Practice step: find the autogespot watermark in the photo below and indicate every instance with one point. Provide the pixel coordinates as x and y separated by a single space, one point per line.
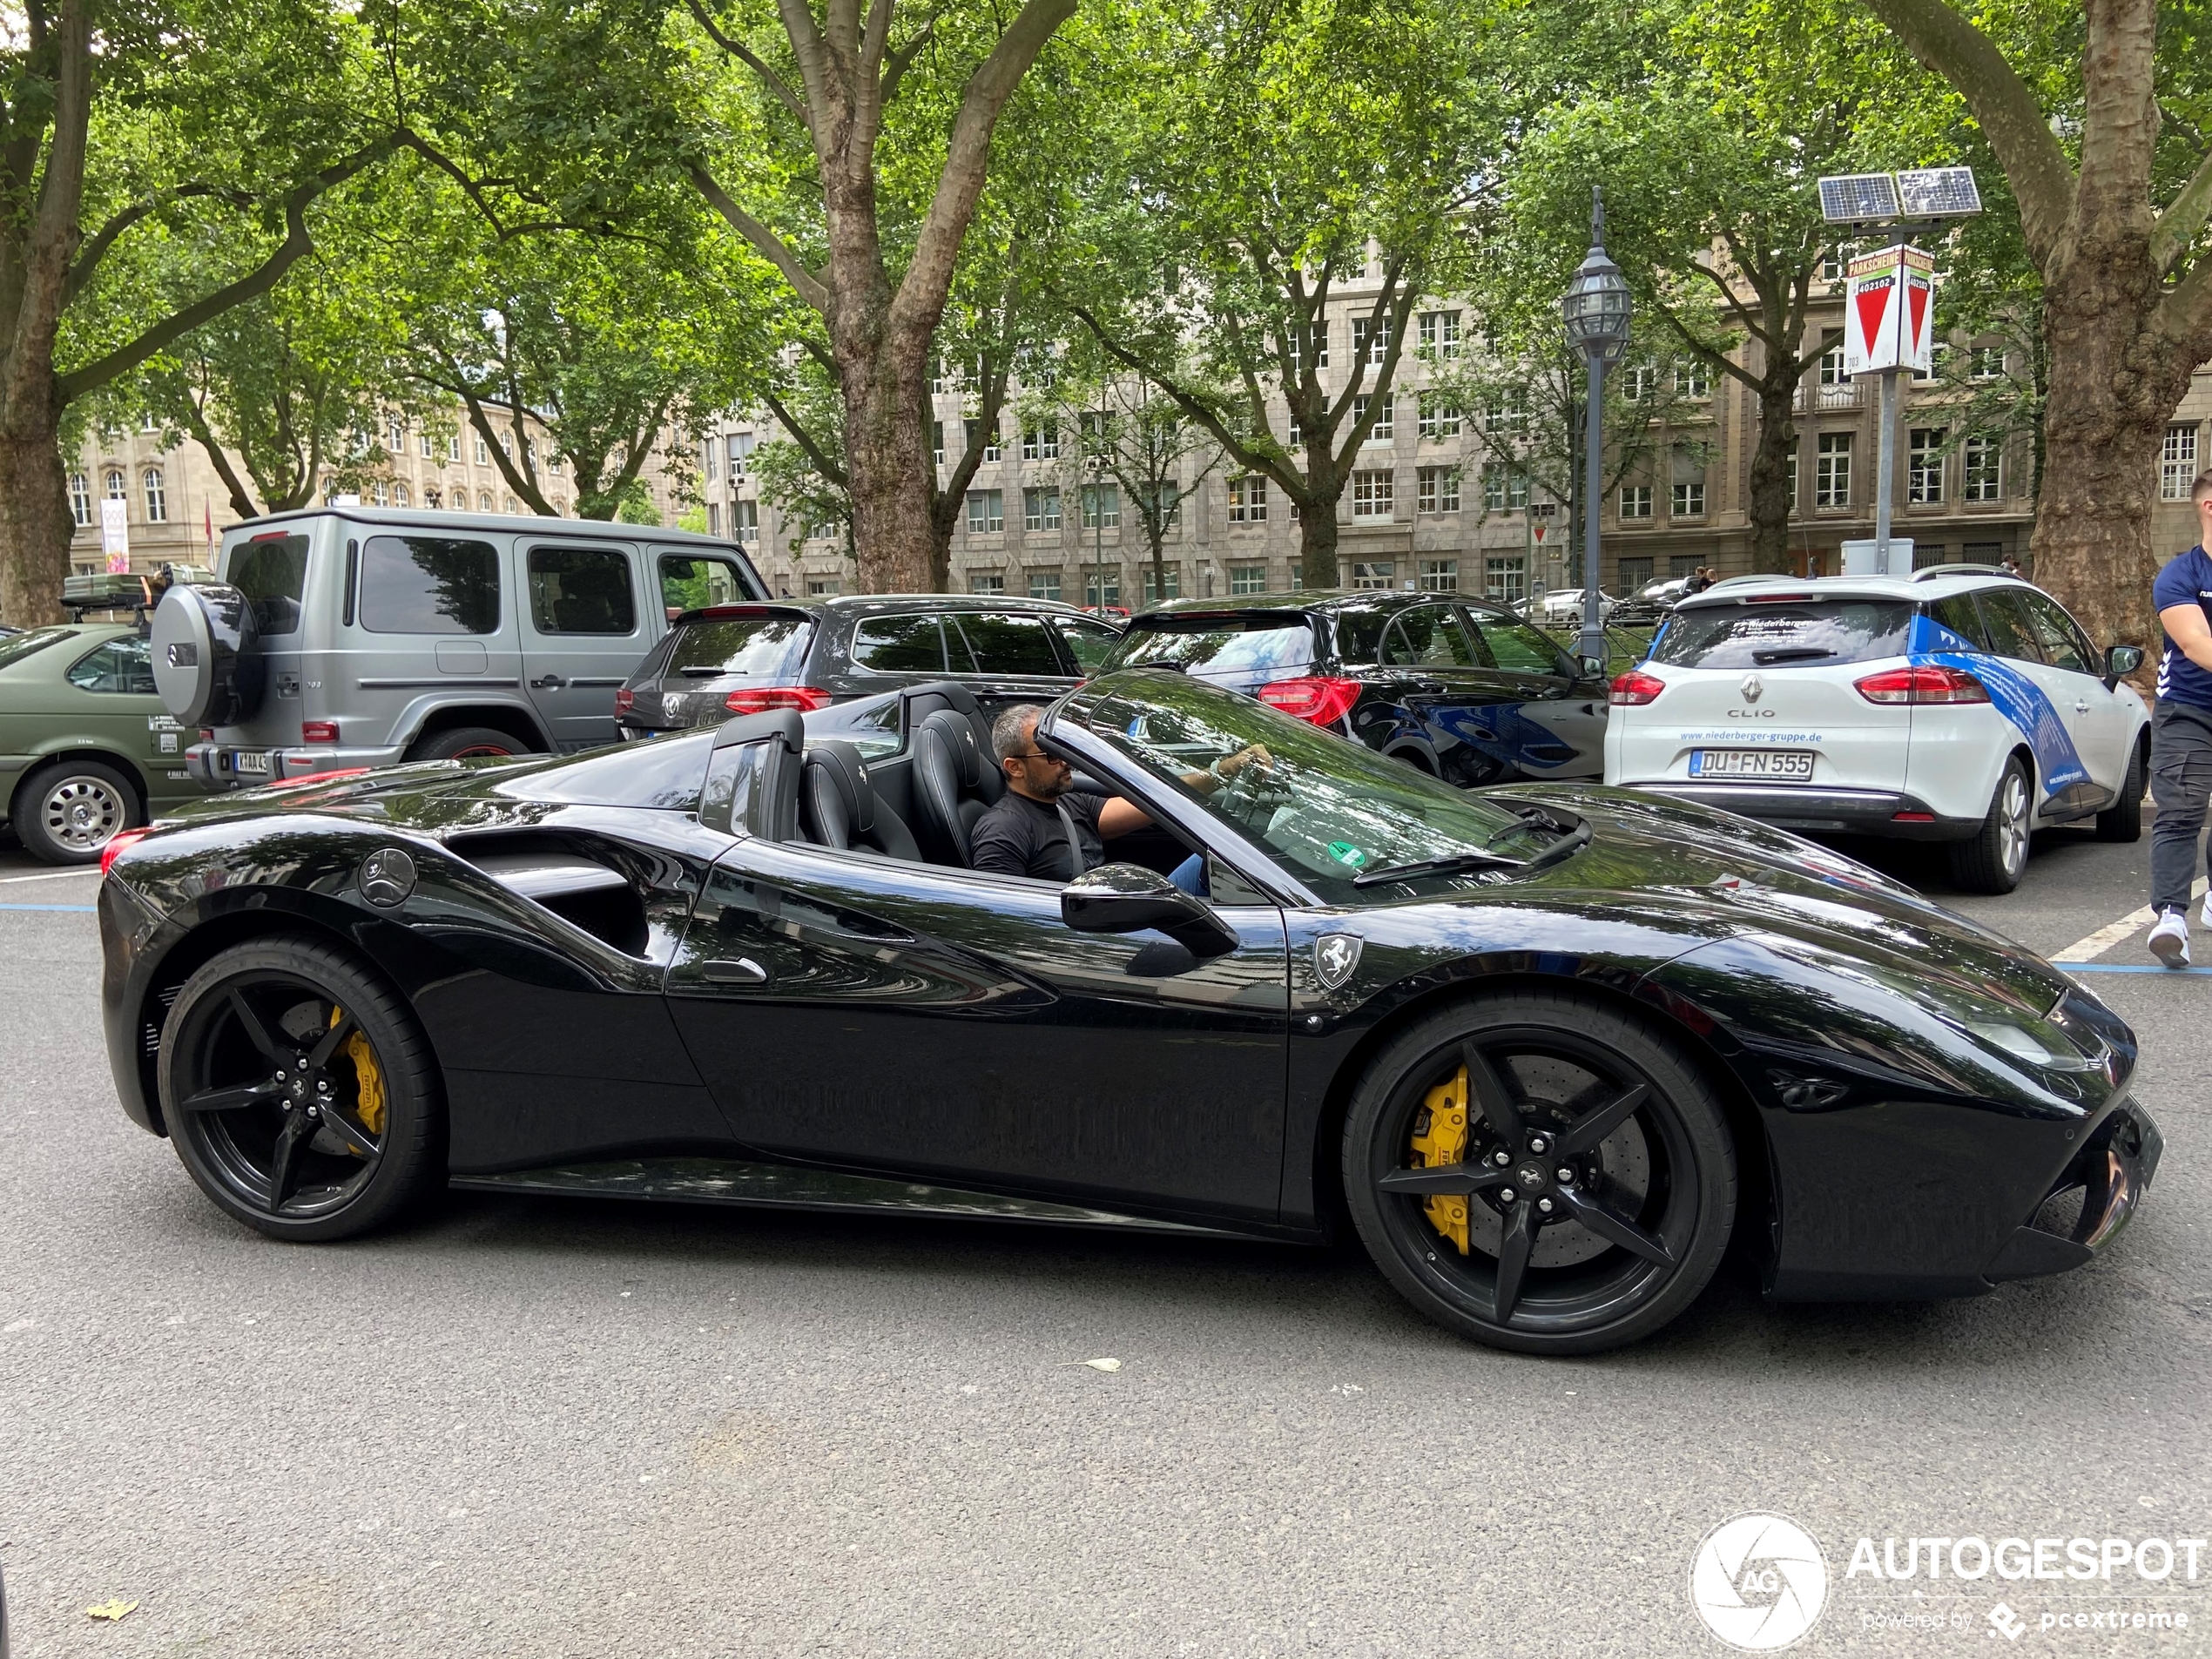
1760 1582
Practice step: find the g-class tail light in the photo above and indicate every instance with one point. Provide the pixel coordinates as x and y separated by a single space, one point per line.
318 731
764 700
1633 690
1319 699
1926 684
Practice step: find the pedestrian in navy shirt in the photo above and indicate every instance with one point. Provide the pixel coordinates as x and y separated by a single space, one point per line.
2181 740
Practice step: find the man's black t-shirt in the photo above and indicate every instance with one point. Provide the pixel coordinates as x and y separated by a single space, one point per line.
1023 837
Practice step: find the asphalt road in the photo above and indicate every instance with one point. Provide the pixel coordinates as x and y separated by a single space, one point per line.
542 1428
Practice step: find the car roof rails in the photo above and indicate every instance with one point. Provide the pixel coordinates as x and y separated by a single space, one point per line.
1936 570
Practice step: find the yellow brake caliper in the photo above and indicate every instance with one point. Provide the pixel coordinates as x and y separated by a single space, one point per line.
1440 1136
368 1079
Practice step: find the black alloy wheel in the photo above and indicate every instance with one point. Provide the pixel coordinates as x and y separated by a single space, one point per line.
299 1091
1540 1171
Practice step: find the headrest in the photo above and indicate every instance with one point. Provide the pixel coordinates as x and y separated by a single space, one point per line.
841 766
957 734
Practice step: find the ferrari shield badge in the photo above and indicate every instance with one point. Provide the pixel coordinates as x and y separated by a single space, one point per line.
388 876
1334 957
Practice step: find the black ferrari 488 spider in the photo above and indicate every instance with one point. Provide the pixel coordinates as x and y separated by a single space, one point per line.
1545 1048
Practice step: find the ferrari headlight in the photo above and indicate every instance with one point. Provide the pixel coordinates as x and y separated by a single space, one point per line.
2037 1041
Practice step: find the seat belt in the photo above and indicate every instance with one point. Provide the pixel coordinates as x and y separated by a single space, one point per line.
1074 842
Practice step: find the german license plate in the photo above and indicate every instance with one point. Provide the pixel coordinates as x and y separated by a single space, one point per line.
250 761
1783 765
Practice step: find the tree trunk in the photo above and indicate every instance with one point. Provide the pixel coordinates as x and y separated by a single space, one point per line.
2104 424
1770 502
34 522
1316 545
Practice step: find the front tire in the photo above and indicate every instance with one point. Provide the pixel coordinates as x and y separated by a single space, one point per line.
1993 859
67 811
299 1091
1616 1153
2123 819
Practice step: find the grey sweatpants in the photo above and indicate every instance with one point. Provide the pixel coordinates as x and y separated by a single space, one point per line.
2181 783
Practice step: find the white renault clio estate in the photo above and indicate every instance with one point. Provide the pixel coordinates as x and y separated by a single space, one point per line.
1959 707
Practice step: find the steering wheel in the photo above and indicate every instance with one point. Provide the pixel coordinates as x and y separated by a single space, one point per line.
1251 788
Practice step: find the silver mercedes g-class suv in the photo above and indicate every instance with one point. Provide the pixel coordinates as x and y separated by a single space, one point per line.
344 637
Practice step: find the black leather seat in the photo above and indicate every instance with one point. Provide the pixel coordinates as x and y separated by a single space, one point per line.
955 782
837 806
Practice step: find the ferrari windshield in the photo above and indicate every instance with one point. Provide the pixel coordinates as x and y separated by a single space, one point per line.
1332 812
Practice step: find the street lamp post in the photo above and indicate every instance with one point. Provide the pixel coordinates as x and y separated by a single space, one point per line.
1596 311
1097 531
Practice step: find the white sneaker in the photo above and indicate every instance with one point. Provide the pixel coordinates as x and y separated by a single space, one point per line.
2206 912
2169 938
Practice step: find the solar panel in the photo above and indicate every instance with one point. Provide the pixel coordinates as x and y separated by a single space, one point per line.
1854 197
1939 192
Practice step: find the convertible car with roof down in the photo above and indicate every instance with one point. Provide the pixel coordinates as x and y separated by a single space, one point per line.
1544 1048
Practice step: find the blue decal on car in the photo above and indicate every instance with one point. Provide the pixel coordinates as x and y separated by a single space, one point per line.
2020 700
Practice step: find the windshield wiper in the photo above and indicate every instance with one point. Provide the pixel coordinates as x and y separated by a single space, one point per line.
1789 654
1450 863
1573 841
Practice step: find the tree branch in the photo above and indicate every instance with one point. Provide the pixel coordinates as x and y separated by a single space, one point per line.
2183 218
752 61
96 247
817 457
771 246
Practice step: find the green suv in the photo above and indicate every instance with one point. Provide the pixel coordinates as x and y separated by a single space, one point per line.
86 748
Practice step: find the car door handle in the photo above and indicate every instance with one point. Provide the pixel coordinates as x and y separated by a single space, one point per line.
740 970
1428 688
2081 708
548 683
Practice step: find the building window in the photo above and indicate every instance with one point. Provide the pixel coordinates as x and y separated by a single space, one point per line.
428 446
1163 585
1373 494
1690 379
1690 499
1040 442
80 499
118 487
1101 508
745 521
740 447
1439 419
971 431
1248 578
821 587
1505 578
1985 364
484 504
1923 467
400 496
1382 431
1983 469
1102 587
1309 342
452 447
1371 336
1440 576
483 451
986 512
1505 489
1635 500
1439 489
986 582
1508 412
1638 380
1041 509
2176 465
1044 584
1440 335
1789 473
713 519
1634 574
1832 366
1247 500
376 497
396 438
156 496
1683 565
1374 573
1831 470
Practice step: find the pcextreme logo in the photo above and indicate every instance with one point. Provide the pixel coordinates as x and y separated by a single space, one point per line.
1759 1583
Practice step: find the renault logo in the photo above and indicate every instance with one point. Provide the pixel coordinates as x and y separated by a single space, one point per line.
1751 687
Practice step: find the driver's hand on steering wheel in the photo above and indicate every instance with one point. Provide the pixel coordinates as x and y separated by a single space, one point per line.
1252 754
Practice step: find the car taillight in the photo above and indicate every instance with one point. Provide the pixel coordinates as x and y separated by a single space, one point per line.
318 731
333 774
625 700
1316 698
116 844
1632 691
1923 684
762 700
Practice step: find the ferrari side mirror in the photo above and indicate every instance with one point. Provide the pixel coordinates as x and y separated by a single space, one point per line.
1129 899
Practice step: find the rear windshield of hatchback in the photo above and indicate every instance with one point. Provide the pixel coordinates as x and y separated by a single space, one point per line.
756 647
1229 651
1798 633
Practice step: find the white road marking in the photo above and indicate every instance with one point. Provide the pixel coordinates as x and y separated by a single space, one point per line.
51 875
2087 950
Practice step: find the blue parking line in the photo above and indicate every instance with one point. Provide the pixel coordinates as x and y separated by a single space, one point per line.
81 909
2125 968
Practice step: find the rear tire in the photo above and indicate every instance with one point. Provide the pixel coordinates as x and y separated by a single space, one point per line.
67 811
2123 819
467 743
1992 860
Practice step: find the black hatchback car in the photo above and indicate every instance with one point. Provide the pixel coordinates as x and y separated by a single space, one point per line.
753 659
1465 690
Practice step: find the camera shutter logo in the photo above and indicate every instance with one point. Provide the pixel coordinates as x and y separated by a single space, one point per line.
1759 1583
